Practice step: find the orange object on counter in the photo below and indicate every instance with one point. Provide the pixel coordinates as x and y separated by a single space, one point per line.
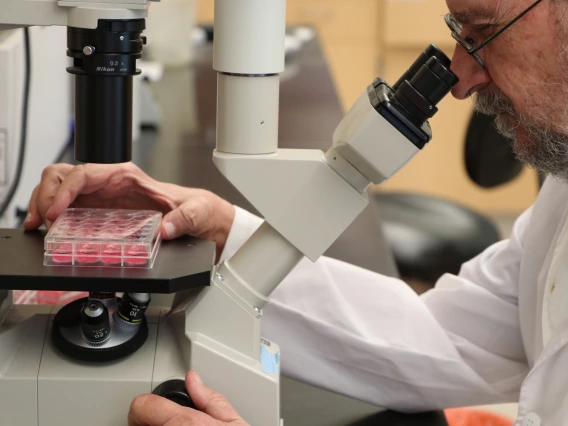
472 417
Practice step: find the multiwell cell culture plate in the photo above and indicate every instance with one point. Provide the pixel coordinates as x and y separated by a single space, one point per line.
104 238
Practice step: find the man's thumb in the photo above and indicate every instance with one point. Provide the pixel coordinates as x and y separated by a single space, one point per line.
209 401
188 218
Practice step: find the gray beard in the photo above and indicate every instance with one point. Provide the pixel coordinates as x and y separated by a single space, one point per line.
544 149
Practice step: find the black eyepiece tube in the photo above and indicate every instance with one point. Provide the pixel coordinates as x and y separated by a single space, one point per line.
429 52
103 119
104 63
428 84
434 81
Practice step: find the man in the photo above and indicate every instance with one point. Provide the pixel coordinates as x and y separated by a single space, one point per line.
498 332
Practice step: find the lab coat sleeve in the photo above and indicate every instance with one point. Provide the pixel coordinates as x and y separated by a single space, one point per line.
371 337
242 229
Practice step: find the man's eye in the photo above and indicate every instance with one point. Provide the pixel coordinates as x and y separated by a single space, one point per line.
470 41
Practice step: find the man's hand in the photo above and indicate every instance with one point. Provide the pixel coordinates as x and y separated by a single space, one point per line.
187 211
152 410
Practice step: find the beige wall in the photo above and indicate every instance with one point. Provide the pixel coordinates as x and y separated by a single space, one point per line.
363 39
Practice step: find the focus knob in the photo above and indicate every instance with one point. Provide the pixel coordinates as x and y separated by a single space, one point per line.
175 391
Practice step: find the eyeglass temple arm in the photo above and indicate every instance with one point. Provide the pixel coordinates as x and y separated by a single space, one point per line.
490 39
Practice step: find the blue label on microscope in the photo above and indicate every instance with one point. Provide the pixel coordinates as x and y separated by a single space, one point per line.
270 362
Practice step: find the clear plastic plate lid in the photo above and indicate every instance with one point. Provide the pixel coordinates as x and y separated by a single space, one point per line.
104 237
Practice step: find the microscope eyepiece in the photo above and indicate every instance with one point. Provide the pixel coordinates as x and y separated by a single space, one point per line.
412 100
104 63
434 81
433 51
430 80
429 52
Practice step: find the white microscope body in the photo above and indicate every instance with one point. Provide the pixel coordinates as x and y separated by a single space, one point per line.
307 197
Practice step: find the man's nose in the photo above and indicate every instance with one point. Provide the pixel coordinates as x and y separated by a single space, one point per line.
472 77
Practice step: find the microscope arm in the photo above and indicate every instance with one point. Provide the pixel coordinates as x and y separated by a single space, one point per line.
307 198
23 13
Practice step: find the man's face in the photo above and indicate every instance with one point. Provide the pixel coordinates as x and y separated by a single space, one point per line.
526 81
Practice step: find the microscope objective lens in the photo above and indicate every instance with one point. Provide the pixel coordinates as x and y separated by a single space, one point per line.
95 322
132 307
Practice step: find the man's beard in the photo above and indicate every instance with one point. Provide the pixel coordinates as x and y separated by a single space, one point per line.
535 142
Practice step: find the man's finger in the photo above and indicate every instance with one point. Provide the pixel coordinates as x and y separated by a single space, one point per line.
209 401
33 219
67 191
47 190
44 192
152 410
83 179
188 218
50 181
86 179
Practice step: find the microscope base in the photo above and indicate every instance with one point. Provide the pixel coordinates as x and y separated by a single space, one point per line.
41 387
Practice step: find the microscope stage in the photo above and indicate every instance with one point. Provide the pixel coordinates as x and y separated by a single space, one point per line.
181 264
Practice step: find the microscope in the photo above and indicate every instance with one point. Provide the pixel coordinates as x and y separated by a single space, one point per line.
85 362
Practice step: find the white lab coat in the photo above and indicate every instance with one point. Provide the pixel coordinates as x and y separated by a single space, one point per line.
497 332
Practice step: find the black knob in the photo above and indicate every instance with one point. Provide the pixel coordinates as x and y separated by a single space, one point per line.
175 391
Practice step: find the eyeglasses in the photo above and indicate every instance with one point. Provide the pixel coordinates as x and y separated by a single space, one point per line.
467 43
